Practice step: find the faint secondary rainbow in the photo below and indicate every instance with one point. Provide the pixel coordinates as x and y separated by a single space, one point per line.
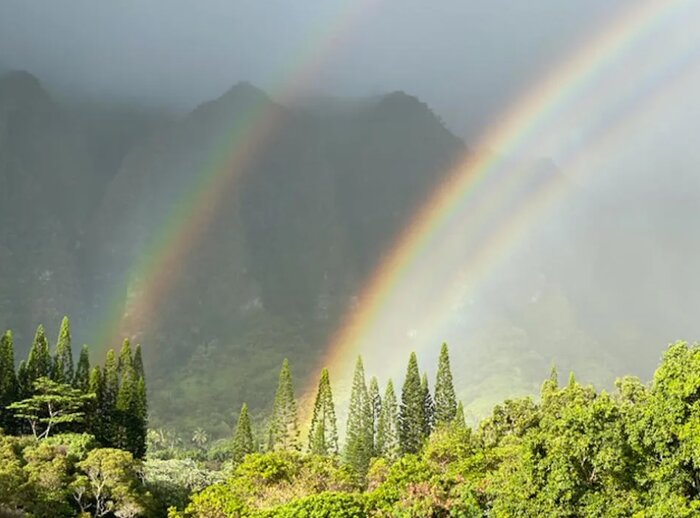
505 139
165 255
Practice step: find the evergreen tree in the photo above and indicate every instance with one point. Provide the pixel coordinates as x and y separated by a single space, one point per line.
9 392
24 386
323 434
139 429
110 381
428 407
81 380
138 363
375 400
126 358
39 360
62 371
459 420
445 399
387 442
125 420
243 438
96 423
359 431
412 410
284 425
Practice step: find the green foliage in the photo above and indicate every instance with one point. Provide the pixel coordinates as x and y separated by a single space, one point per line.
52 405
39 360
82 371
326 505
412 422
375 400
8 382
243 443
359 432
445 399
387 443
323 434
62 371
428 407
171 482
284 425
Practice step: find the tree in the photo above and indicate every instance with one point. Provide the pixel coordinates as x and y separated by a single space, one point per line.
139 430
96 423
109 483
52 404
375 400
243 438
428 407
39 359
110 391
200 437
412 410
284 425
445 399
323 434
8 382
82 372
138 363
359 431
459 420
62 371
387 441
126 358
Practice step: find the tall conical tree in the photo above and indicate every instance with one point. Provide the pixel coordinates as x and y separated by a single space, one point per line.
39 360
138 363
284 425
445 399
375 400
126 358
9 392
139 430
243 438
323 434
412 410
359 430
81 380
110 381
459 420
24 385
62 371
387 442
428 406
96 423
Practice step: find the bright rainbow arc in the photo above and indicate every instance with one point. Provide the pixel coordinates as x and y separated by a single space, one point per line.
166 255
519 124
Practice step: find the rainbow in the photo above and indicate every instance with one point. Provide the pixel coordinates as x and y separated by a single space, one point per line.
150 278
453 201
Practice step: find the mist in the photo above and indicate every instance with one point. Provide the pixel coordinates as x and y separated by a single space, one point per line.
599 281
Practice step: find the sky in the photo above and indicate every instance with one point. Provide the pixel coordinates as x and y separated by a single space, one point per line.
625 138
464 58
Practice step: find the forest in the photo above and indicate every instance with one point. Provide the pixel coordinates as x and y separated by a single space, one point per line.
75 442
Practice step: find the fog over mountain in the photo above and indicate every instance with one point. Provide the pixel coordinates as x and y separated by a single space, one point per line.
111 113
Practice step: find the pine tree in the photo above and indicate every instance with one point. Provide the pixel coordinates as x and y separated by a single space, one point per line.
459 420
243 438
110 381
445 399
387 442
284 424
359 431
125 420
62 371
139 410
126 358
8 382
428 407
39 360
375 400
412 411
96 423
81 380
24 385
323 434
138 363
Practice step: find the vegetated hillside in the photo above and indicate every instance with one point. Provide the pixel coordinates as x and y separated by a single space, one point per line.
303 221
